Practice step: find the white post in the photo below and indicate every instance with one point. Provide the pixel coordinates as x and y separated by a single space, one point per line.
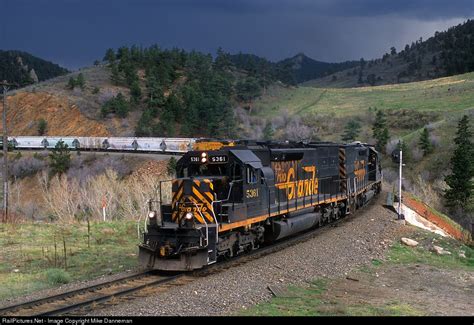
104 205
400 185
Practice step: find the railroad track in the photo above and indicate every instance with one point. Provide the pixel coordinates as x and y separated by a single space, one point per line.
78 299
282 244
89 296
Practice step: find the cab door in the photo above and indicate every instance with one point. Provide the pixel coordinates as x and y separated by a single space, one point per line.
252 190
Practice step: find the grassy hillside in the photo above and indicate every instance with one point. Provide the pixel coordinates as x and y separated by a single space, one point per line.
442 95
321 114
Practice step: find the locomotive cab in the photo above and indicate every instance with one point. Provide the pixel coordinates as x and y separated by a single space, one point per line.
212 187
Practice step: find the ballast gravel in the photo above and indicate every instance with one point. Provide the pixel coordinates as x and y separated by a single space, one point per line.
331 253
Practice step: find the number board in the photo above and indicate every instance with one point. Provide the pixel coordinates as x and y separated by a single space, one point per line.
222 159
195 159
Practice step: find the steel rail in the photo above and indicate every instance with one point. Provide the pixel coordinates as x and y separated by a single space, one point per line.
76 292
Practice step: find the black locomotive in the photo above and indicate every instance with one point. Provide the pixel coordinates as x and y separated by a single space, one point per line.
232 197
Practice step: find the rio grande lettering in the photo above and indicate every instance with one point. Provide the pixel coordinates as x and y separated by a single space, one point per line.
285 176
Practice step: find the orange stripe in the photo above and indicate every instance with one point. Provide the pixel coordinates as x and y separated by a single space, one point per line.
199 195
178 195
225 227
204 201
208 216
209 195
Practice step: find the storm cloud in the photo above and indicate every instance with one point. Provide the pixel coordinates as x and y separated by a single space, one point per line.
74 33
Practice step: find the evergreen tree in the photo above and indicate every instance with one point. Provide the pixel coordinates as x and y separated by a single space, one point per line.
406 152
171 167
223 61
135 92
268 131
60 158
71 83
115 74
460 181
425 142
117 105
145 124
351 131
155 92
109 56
248 89
121 106
80 81
380 130
42 126
383 140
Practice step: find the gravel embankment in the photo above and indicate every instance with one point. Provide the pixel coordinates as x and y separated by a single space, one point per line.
332 253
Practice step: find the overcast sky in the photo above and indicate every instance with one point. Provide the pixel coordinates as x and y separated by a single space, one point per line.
74 33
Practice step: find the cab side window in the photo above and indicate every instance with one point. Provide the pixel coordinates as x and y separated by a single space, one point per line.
251 176
237 172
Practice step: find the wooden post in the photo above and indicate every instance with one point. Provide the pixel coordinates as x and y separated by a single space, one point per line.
88 233
65 254
55 253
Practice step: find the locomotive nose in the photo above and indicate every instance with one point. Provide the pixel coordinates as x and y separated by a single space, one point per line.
192 201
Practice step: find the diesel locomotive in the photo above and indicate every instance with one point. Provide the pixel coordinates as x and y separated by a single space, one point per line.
231 197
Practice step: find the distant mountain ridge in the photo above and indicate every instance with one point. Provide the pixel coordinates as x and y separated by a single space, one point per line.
24 69
446 53
294 70
305 68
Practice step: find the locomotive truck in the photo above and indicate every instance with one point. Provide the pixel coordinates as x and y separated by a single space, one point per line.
230 197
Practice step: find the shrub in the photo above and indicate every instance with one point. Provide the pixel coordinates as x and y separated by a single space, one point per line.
26 166
57 276
171 168
117 105
42 126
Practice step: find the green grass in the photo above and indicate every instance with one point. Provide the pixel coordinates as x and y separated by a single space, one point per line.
309 300
28 262
401 254
57 276
440 95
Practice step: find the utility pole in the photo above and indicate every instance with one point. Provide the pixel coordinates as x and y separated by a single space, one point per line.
400 215
5 152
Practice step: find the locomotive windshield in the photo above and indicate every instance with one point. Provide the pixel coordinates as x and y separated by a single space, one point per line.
197 170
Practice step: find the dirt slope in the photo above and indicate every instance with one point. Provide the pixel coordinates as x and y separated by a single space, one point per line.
64 118
70 112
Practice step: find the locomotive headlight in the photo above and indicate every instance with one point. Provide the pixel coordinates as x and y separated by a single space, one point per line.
188 216
203 159
151 214
204 155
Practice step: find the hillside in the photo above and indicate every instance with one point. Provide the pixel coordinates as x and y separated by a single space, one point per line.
23 68
446 53
67 112
322 113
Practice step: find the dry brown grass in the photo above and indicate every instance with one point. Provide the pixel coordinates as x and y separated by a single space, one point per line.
67 200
